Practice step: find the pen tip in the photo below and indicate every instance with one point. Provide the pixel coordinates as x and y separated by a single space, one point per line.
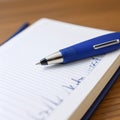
38 63
42 62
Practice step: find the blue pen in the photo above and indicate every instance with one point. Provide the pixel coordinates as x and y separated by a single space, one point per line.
96 46
23 27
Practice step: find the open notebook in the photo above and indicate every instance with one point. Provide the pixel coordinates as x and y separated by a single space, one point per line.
57 92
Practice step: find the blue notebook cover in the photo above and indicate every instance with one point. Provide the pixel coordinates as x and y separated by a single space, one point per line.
106 89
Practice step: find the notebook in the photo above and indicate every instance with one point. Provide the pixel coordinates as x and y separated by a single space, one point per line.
57 92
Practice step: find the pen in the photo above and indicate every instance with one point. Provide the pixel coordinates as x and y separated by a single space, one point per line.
96 46
23 27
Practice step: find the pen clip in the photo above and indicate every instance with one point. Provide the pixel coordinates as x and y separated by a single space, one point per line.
106 44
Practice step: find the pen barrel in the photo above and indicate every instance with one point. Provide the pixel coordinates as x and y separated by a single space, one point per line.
86 49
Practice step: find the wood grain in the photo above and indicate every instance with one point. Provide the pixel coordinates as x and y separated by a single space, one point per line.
103 14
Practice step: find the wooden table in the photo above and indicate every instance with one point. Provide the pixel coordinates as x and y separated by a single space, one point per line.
103 14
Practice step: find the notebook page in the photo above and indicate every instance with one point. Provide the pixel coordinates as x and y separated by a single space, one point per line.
31 92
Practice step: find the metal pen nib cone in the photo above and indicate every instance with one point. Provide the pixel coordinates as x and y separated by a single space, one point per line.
51 59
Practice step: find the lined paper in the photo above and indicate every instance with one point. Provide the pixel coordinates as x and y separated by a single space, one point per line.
30 92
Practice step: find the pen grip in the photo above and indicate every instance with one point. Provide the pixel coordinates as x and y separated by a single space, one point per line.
85 49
